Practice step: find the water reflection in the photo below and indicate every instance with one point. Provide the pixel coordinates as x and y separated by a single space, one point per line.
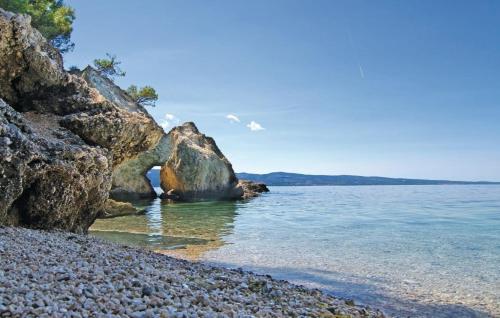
185 230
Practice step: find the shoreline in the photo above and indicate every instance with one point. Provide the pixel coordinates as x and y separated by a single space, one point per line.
60 274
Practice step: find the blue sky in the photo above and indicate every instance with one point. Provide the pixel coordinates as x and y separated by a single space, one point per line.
389 88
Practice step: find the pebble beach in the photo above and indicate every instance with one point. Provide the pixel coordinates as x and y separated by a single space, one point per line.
58 274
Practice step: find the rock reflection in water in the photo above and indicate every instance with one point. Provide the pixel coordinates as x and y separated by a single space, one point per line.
185 230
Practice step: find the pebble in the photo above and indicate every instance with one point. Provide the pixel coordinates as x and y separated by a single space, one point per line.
61 274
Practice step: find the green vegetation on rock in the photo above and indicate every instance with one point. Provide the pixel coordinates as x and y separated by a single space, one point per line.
108 67
145 96
52 18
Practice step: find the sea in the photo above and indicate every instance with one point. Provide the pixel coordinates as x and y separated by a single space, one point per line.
411 251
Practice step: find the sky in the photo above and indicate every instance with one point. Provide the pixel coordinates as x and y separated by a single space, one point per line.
375 88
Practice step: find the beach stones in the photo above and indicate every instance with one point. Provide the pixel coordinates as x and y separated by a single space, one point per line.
139 283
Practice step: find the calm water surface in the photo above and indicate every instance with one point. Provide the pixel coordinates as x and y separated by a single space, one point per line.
429 251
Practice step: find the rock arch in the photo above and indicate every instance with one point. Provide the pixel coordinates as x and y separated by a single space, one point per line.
193 168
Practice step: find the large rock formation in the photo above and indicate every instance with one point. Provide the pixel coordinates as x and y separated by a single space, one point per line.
196 168
67 140
74 127
141 134
49 178
206 175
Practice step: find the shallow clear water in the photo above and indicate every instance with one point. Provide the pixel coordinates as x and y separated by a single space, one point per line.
410 250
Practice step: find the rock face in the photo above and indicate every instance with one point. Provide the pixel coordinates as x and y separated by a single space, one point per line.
196 168
49 178
137 145
126 128
32 75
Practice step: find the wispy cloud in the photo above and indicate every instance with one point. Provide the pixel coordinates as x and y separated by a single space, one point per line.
169 121
233 118
254 126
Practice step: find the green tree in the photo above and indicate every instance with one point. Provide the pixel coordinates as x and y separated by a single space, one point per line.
145 96
52 18
108 67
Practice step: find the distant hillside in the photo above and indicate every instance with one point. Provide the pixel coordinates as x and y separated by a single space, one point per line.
296 179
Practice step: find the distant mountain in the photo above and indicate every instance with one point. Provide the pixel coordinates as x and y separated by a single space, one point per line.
296 179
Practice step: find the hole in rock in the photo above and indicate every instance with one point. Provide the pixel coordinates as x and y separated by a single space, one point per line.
154 178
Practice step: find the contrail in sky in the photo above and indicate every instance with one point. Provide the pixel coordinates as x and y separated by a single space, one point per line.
351 42
361 72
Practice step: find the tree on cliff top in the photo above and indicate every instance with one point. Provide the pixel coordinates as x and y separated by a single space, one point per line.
145 96
52 18
108 67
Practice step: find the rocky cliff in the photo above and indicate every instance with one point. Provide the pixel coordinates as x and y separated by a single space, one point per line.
69 140
50 177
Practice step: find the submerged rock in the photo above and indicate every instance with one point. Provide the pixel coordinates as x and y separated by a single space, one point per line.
114 208
196 168
252 189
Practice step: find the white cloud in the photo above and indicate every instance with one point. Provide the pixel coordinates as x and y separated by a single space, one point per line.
169 121
254 126
233 118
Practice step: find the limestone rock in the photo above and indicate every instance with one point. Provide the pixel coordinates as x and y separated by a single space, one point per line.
127 134
111 91
32 78
129 177
67 138
32 75
137 141
196 168
114 208
252 189
49 178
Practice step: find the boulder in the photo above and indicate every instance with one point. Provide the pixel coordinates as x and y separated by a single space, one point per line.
252 189
49 177
196 168
112 209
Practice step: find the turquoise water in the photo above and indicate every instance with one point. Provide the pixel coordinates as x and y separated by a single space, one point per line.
410 250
